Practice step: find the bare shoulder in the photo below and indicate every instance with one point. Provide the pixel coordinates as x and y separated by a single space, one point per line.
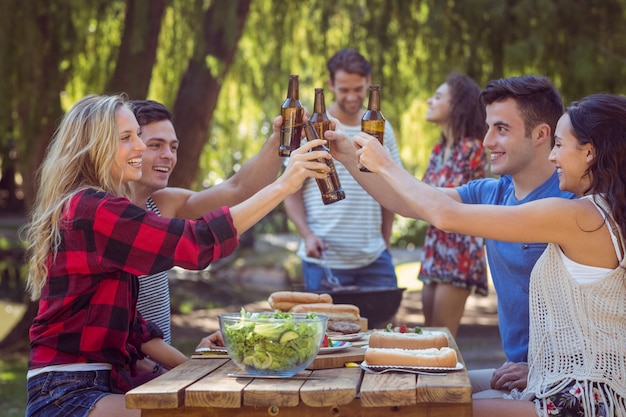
170 200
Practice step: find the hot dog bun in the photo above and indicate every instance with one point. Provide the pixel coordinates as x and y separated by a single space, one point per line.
427 339
285 300
432 357
333 311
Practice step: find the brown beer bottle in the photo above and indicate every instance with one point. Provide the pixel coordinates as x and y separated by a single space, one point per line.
330 187
293 114
373 121
319 119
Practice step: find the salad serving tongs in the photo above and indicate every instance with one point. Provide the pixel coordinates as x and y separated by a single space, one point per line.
405 370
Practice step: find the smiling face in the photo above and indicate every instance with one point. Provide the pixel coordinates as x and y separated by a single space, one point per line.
439 105
511 150
350 90
130 149
160 156
570 158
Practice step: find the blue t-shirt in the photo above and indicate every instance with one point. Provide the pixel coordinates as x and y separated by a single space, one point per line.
511 263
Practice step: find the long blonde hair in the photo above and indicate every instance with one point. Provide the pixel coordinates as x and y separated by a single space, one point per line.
81 154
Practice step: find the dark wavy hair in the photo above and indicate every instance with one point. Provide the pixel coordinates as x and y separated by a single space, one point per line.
149 111
538 101
600 119
467 114
349 60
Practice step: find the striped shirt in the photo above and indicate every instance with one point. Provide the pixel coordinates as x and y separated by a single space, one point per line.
351 227
154 295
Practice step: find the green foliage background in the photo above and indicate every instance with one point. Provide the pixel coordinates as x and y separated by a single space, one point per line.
413 45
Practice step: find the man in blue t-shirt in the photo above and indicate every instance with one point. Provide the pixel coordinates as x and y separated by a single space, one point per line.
521 118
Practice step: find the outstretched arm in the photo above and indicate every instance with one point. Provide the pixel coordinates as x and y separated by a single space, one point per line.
256 173
302 165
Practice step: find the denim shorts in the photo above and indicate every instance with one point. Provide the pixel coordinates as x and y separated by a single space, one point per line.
68 394
380 273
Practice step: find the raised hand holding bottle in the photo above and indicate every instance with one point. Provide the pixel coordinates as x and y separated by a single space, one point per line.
373 121
330 187
293 115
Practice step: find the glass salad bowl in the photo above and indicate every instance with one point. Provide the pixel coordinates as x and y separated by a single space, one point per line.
272 343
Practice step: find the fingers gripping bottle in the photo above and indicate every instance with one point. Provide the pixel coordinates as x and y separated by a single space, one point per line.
330 187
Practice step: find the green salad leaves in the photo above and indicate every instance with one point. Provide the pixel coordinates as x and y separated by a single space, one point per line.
272 341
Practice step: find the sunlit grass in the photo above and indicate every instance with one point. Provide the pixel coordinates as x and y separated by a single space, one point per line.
407 276
13 385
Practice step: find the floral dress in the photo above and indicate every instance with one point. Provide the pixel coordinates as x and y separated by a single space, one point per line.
452 258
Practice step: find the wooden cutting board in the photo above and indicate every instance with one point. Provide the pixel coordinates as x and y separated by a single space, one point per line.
338 359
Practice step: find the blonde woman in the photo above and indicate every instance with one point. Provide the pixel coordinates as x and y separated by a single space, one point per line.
88 243
576 359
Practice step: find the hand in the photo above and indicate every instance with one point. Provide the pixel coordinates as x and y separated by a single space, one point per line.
275 136
305 163
214 340
314 246
510 375
371 153
341 147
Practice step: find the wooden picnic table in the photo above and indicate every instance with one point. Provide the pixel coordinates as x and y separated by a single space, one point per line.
202 387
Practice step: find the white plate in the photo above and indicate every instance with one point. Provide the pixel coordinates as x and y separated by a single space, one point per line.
347 337
458 367
201 351
336 348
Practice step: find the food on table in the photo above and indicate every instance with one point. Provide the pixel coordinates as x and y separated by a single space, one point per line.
272 343
431 357
337 312
285 300
407 340
343 327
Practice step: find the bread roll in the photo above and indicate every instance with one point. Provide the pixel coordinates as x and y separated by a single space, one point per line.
432 357
333 311
427 339
285 300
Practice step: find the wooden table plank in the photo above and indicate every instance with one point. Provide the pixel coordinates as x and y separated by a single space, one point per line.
201 387
391 389
217 389
168 390
339 387
273 392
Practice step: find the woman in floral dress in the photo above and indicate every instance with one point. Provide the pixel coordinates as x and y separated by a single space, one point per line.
454 265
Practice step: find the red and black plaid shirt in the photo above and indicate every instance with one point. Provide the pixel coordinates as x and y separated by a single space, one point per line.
87 311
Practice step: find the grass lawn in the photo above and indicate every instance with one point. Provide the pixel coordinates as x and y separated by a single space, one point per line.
13 385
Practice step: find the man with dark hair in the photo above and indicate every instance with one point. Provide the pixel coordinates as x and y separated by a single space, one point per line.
152 192
351 236
521 115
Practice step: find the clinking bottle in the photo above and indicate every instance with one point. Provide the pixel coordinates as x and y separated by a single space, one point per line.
293 115
373 121
330 187
319 119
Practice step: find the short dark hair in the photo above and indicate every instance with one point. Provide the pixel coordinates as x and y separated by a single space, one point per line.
537 99
467 114
149 111
350 61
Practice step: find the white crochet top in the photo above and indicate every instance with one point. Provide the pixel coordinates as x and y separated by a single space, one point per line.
577 332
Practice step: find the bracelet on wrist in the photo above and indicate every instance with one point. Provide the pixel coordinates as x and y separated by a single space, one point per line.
157 368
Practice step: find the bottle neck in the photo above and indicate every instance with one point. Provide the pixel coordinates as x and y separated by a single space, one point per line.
319 106
294 89
374 101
